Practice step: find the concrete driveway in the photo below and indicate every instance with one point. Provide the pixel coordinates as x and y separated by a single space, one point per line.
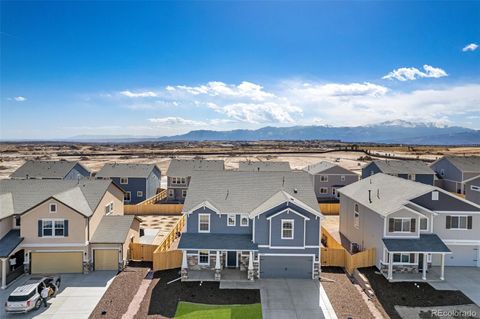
79 294
290 299
466 279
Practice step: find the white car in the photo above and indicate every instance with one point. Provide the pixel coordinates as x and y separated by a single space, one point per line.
27 297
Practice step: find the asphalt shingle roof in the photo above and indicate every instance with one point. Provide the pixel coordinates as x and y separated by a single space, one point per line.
19 195
249 166
126 170
184 168
112 229
242 192
44 169
466 164
216 241
318 167
403 167
426 243
8 242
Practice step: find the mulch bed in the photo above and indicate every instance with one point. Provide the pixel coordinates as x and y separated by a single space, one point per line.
410 294
119 294
161 299
343 295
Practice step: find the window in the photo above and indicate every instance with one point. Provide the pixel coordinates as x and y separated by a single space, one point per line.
334 190
287 228
52 208
459 222
342 178
434 195
442 172
179 180
123 180
323 178
127 196
244 220
17 221
423 224
53 228
139 194
59 227
403 258
184 193
109 209
356 216
203 223
475 188
402 225
170 193
231 220
203 258
47 228
183 180
323 190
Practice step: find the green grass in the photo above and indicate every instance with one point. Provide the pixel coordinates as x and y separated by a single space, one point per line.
188 310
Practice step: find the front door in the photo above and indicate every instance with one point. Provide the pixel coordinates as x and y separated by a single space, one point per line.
231 259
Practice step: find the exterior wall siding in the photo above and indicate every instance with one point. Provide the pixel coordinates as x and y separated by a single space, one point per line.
439 228
134 185
177 189
405 213
218 223
370 170
77 172
451 173
428 179
6 225
470 194
153 182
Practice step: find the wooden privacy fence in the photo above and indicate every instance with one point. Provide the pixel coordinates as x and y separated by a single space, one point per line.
167 260
153 209
162 194
328 240
143 252
330 208
339 257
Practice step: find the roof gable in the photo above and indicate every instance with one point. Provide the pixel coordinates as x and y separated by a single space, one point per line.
45 169
403 167
110 170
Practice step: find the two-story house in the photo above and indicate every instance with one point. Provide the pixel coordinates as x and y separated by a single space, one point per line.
39 169
413 170
412 226
64 226
472 189
327 178
180 171
263 166
454 171
139 181
259 224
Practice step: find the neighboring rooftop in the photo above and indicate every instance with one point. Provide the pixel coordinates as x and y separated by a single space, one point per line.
403 167
243 192
112 229
425 243
126 170
19 195
466 164
257 166
9 242
186 167
39 169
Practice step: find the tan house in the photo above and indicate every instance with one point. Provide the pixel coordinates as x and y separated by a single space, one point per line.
62 226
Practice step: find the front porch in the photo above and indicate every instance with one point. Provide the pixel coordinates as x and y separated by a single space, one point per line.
209 275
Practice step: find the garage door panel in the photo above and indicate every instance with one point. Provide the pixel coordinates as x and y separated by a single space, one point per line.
106 259
56 262
286 267
462 256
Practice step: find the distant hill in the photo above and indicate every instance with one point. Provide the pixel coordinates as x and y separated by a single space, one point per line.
398 132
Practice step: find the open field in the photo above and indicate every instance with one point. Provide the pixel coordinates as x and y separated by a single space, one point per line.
299 154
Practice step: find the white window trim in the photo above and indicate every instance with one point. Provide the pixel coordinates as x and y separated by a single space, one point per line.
435 195
171 193
356 220
403 231
293 228
128 201
342 178
123 180
184 193
400 262
50 208
208 257
199 218
53 227
234 220
458 228
248 220
110 208
324 188
420 224
139 194
324 178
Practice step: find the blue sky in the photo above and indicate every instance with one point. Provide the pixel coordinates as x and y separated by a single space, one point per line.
162 68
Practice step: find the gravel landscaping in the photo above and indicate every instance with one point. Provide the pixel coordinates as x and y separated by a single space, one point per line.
410 294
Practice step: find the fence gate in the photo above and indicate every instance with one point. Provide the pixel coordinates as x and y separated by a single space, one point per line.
143 252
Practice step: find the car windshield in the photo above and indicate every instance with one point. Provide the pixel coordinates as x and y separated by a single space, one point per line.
21 297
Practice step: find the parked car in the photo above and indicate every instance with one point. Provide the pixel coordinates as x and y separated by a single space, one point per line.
27 297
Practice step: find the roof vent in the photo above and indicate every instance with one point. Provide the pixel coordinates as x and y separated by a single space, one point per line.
295 190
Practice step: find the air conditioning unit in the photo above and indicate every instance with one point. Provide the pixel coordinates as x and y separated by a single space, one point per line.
354 248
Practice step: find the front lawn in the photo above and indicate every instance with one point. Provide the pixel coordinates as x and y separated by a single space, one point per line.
187 310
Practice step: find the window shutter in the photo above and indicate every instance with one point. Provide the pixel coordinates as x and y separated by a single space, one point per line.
65 227
449 222
413 224
40 233
469 222
391 221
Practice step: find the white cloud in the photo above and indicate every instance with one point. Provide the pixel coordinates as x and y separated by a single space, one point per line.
173 120
138 94
339 89
470 47
409 74
17 98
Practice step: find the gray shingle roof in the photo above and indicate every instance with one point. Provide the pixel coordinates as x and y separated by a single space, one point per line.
403 167
44 169
112 229
466 164
184 168
216 241
323 166
17 196
126 170
393 192
243 192
426 243
249 166
8 242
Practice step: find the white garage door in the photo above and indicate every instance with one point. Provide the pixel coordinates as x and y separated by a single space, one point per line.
462 256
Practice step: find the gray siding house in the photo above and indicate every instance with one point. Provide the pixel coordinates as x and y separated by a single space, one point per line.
139 181
412 226
180 171
413 170
249 166
327 178
37 169
454 171
252 224
472 189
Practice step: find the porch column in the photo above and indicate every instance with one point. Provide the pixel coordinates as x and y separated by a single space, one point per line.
217 266
250 266
4 273
425 265
442 268
390 266
184 271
